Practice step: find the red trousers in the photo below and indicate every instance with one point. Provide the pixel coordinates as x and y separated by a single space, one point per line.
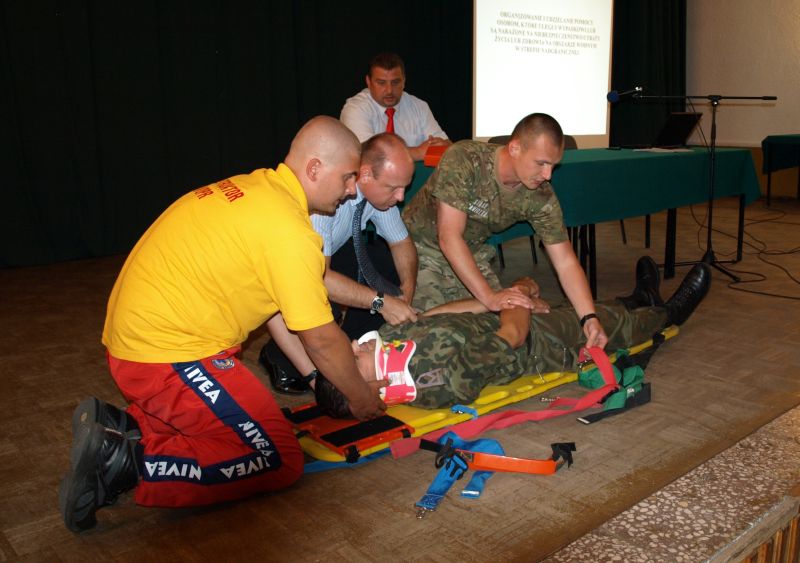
211 431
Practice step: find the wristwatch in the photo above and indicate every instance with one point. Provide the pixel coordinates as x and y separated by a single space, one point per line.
377 304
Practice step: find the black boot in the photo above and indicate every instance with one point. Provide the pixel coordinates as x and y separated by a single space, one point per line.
281 379
646 293
92 410
689 294
103 465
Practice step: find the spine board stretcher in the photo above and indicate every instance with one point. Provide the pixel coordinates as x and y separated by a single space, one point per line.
346 440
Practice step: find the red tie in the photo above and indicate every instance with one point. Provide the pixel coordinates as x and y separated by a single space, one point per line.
390 121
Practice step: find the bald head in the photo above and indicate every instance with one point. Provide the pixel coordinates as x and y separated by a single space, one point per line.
385 147
324 157
323 137
386 170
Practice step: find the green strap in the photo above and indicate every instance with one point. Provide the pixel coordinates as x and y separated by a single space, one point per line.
630 380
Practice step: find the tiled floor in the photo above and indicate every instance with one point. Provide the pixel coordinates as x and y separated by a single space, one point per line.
706 511
701 515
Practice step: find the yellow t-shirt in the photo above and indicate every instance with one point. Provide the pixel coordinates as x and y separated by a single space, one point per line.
215 265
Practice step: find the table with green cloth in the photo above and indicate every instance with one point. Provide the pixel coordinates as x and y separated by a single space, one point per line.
597 185
780 152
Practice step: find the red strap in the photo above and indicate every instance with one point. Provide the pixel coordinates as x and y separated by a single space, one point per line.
496 421
600 359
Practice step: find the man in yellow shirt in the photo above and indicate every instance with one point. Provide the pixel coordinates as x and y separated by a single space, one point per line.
218 263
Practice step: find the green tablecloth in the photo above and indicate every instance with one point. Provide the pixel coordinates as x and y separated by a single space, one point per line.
597 185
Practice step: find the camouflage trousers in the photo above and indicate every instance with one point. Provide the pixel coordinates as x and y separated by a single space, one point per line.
557 337
459 354
438 284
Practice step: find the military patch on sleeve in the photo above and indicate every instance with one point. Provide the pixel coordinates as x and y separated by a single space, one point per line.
433 378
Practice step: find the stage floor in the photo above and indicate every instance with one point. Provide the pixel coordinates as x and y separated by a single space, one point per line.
732 370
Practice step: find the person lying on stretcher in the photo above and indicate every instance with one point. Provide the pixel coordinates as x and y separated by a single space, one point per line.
447 357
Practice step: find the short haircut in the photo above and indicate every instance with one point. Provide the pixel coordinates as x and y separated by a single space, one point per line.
536 124
330 400
375 150
386 61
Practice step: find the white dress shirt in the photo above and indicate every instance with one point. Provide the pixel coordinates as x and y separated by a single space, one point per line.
337 229
413 120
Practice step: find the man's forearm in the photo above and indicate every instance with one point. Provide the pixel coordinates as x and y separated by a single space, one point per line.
418 152
464 266
572 277
346 291
404 256
289 344
576 287
329 349
515 324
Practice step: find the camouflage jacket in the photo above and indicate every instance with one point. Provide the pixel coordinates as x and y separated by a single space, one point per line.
465 179
457 356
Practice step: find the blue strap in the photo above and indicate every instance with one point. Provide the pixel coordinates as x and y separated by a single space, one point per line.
450 472
455 467
319 465
475 486
463 409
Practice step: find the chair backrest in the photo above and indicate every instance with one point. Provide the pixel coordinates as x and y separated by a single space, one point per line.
569 141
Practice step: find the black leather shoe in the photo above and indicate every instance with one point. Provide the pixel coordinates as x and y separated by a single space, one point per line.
646 293
103 465
689 294
281 381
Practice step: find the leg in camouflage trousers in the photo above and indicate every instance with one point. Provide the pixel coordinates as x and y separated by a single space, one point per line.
438 284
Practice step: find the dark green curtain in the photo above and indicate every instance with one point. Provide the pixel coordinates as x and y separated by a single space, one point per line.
649 50
111 110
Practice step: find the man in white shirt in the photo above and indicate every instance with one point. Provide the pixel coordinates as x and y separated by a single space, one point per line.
384 106
385 171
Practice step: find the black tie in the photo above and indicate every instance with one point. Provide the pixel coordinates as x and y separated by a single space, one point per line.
366 271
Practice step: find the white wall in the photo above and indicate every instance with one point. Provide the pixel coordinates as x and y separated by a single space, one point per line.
745 48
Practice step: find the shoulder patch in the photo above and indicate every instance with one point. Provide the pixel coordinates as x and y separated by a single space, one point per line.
226 363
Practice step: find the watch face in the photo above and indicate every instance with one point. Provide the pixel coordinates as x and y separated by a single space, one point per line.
377 303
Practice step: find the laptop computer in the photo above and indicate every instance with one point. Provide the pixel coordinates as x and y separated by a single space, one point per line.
675 131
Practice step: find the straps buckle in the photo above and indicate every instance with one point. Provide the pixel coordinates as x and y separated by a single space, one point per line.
422 511
562 453
456 461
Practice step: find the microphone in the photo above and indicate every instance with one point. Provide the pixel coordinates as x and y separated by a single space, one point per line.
613 96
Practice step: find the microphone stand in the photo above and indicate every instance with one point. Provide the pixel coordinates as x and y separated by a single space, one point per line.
709 257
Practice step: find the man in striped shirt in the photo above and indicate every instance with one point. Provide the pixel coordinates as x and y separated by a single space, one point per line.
386 169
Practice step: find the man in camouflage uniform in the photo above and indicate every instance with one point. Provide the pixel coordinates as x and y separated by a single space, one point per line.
479 189
458 353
